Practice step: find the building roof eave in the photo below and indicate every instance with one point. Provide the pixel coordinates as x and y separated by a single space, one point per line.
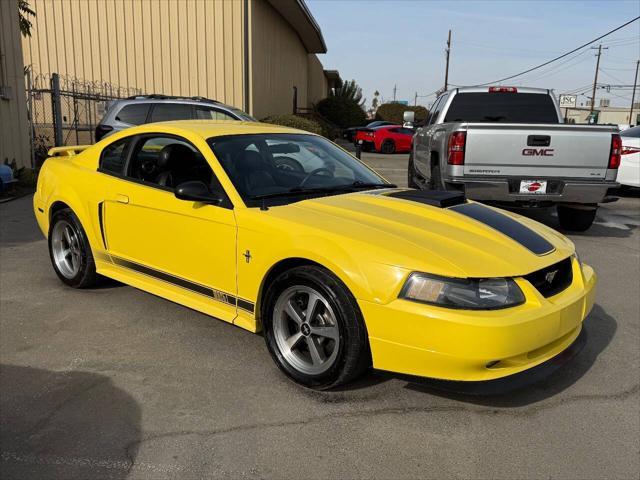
297 14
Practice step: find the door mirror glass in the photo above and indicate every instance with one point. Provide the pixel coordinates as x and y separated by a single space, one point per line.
198 192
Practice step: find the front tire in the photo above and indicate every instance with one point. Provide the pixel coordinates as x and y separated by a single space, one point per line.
576 219
313 328
70 251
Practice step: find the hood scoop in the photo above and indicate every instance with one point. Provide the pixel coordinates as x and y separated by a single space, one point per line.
435 198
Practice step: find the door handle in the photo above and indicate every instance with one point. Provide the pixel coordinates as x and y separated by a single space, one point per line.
122 198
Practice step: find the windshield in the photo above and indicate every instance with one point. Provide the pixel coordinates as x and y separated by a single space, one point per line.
285 168
502 107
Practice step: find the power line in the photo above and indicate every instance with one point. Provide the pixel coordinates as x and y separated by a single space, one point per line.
561 56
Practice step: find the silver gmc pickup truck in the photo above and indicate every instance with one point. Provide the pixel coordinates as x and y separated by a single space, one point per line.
509 146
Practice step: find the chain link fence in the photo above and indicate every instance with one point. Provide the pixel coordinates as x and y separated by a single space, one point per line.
65 111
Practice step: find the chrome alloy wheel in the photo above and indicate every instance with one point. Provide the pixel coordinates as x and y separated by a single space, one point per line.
65 246
306 330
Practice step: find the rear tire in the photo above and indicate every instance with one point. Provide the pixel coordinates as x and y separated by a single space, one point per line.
412 175
576 219
319 347
435 182
388 147
70 251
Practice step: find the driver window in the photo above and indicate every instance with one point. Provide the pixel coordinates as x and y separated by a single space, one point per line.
166 162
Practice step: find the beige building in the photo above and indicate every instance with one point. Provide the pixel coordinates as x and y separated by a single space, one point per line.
605 114
247 53
258 55
14 132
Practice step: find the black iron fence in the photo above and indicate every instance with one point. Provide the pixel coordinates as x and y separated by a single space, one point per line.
65 111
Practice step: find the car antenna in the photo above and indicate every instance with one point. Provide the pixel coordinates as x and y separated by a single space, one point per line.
263 206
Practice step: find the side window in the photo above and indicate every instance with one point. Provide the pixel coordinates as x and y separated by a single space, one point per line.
394 130
437 109
114 156
135 114
163 112
167 162
204 113
406 131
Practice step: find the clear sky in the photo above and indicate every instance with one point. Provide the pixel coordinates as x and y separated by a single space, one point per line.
382 43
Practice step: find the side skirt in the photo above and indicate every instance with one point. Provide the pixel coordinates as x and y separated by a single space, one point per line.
200 298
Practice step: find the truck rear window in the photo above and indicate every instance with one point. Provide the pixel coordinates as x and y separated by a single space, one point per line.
502 107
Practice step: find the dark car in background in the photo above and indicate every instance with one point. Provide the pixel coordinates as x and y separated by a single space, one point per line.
125 113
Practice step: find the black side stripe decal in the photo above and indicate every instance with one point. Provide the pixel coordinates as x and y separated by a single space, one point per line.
506 225
101 221
217 295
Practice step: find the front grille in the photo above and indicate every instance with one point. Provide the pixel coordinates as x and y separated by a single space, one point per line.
553 279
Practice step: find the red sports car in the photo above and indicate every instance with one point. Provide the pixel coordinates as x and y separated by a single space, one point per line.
386 139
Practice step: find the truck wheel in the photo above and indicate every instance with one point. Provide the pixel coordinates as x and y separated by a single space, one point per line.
435 182
412 175
576 219
388 147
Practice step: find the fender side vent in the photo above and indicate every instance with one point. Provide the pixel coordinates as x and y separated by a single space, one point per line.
435 198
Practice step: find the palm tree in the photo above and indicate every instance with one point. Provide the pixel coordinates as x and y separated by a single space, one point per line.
24 12
351 91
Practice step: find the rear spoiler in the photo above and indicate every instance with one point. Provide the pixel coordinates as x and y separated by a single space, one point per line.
67 151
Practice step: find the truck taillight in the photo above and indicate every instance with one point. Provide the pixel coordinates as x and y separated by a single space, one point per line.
616 151
503 90
457 141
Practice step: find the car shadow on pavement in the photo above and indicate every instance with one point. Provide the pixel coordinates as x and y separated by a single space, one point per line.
66 424
600 329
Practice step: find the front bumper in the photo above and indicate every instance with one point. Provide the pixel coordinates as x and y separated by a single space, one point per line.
504 190
463 345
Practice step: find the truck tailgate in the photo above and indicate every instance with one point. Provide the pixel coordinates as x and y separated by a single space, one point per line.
537 150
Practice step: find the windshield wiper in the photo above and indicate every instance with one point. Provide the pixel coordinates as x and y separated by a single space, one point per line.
357 185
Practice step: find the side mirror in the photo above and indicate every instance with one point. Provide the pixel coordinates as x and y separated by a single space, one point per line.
197 191
408 118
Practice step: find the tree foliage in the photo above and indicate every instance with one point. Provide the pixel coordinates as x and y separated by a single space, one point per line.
393 112
349 90
24 12
343 111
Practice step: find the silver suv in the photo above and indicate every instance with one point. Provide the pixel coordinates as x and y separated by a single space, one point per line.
125 113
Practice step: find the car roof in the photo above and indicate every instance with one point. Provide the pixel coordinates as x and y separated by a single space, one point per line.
211 128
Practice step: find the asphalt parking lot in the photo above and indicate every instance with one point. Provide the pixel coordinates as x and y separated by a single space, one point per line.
117 383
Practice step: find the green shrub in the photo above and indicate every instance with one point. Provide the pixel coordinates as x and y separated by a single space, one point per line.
294 121
344 112
393 112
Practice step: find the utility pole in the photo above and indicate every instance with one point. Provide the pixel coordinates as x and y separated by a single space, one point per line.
633 95
415 99
446 70
595 80
395 87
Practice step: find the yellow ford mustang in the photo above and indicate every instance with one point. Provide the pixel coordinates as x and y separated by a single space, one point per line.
278 230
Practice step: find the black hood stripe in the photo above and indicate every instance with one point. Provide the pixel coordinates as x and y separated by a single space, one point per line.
506 225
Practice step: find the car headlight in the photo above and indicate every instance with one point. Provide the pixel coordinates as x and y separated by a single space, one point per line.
472 294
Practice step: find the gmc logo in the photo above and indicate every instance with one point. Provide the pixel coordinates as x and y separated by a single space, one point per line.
537 152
